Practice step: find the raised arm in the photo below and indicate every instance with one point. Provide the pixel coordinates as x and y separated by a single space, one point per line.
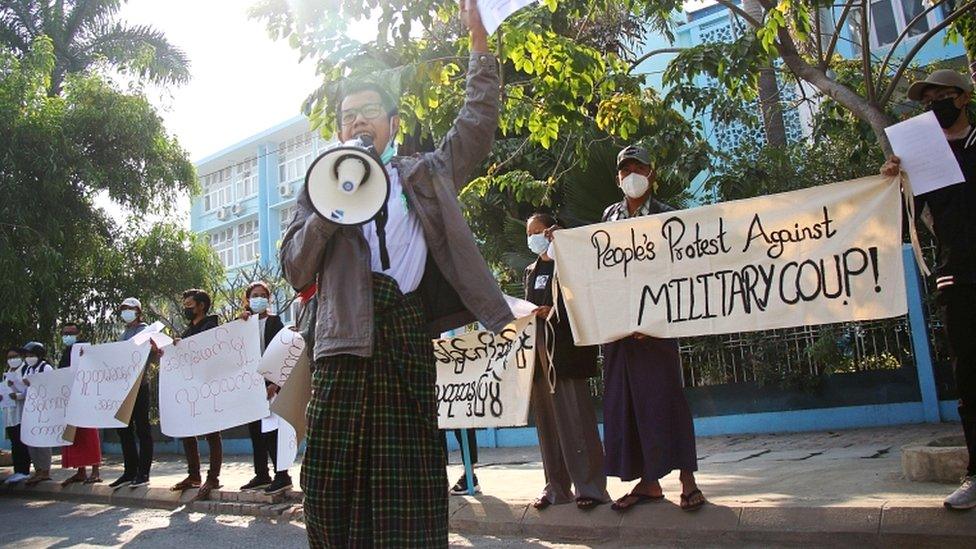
470 139
303 246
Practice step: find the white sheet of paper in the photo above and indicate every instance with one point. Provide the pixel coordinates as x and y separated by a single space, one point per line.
519 307
7 401
925 154
493 12
104 376
281 356
44 420
209 382
287 446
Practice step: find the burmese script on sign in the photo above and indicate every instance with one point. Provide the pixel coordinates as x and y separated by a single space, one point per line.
815 256
210 381
485 379
44 423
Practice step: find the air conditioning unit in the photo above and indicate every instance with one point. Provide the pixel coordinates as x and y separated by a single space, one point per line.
285 190
222 214
238 209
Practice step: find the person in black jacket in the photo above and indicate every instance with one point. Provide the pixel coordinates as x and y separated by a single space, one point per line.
948 214
196 305
256 300
565 418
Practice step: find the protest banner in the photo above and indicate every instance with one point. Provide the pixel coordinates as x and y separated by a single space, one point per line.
281 356
44 422
485 379
106 383
814 256
209 382
289 408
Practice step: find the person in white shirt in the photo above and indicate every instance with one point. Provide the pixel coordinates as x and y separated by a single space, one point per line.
12 402
35 356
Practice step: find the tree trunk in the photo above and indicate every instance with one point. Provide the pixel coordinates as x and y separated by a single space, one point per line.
769 98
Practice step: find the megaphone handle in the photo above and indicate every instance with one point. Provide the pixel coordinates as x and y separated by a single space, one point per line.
381 218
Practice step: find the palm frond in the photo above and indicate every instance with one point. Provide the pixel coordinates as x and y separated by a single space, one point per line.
141 50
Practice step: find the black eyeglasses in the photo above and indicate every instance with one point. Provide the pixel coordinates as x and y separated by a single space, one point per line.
370 111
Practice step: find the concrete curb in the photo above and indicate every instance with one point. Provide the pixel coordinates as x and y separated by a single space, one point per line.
920 524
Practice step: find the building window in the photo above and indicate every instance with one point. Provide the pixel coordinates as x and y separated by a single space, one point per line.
217 190
889 18
294 157
247 179
285 215
248 242
223 244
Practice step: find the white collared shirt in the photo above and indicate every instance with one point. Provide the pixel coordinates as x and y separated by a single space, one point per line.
405 239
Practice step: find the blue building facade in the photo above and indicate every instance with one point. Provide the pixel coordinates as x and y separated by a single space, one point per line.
248 194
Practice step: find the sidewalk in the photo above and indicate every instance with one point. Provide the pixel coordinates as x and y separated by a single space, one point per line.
821 488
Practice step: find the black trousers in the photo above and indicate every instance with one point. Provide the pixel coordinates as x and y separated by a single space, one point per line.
19 452
137 460
472 443
264 445
959 315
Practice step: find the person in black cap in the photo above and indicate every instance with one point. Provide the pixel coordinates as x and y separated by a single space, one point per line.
35 361
948 214
648 429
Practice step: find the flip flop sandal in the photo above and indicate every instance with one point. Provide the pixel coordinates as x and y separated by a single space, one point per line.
641 499
91 480
541 503
588 503
687 505
71 480
185 485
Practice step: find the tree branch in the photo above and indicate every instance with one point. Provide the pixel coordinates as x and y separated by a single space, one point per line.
866 52
956 14
833 41
652 53
739 11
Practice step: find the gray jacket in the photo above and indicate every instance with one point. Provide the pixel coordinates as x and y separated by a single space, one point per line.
337 257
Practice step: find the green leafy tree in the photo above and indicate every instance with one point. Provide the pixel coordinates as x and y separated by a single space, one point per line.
61 256
569 96
797 33
86 34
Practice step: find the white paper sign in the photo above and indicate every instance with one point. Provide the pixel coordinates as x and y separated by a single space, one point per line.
12 383
921 145
209 382
485 379
46 404
105 376
281 356
494 12
815 256
287 446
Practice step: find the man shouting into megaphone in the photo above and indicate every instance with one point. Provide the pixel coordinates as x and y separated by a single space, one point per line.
374 468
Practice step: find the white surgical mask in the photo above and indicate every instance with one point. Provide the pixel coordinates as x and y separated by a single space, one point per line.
634 185
259 304
14 363
69 340
128 316
31 361
538 243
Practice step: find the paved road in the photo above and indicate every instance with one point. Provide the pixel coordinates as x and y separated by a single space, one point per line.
61 524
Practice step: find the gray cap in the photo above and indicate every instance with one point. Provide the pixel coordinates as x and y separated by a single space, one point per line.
635 152
946 78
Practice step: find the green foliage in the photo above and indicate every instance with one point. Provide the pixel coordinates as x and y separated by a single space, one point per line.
86 35
62 257
569 101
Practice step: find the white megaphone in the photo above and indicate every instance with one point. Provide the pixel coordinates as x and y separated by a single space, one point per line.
348 184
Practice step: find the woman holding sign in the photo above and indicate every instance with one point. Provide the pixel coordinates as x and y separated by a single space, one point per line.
34 355
565 419
12 402
87 448
256 301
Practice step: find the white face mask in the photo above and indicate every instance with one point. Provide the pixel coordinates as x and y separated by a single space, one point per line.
258 304
128 316
538 243
31 361
634 185
14 363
